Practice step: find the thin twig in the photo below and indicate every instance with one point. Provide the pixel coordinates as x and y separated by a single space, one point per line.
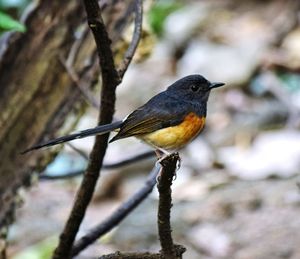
88 95
138 21
110 80
118 215
70 60
168 249
77 150
128 161
68 64
68 175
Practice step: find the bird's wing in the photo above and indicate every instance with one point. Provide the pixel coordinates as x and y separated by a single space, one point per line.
156 114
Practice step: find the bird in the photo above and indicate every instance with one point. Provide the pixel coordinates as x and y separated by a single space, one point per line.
167 122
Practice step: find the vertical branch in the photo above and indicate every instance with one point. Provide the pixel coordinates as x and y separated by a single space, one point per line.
168 249
110 80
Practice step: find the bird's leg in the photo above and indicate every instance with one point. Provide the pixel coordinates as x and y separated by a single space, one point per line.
178 165
158 153
161 155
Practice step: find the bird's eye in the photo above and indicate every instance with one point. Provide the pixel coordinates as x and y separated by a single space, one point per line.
195 88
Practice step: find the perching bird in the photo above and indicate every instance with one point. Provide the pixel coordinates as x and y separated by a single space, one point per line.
167 122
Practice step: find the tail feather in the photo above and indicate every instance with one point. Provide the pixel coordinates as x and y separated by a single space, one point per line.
99 130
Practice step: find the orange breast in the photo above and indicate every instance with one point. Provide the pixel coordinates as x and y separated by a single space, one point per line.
173 138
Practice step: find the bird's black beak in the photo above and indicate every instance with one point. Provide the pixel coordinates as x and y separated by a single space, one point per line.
215 85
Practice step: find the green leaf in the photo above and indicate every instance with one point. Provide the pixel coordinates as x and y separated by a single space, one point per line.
7 23
159 12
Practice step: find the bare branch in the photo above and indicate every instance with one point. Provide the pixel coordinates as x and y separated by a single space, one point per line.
77 150
111 166
76 46
135 38
89 96
128 161
68 175
110 80
68 64
169 250
118 215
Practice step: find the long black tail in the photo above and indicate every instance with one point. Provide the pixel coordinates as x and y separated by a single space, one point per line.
99 130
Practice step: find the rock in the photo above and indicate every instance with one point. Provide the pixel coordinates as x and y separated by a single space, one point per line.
291 45
272 154
212 240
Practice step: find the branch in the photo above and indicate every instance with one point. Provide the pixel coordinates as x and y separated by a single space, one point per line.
128 161
135 38
169 250
78 151
118 215
110 80
68 64
87 94
72 55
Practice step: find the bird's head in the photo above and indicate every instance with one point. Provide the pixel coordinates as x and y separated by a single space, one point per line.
192 88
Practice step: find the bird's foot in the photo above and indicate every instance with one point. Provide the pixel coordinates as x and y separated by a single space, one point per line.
162 157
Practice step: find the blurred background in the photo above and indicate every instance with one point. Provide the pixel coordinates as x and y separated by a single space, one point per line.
236 193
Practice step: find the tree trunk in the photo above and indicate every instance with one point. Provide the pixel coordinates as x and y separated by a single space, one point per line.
36 92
